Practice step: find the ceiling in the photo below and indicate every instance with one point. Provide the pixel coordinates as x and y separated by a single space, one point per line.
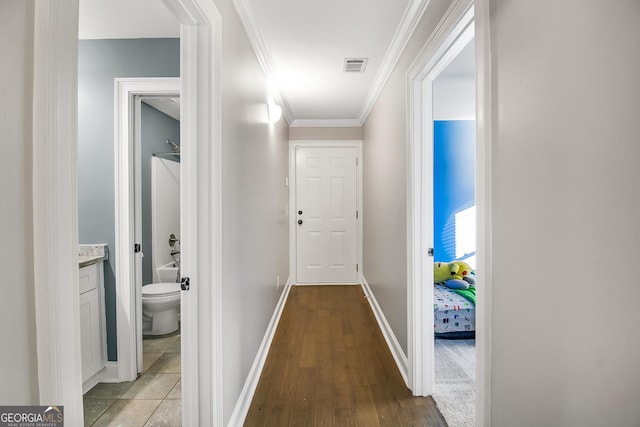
169 105
301 46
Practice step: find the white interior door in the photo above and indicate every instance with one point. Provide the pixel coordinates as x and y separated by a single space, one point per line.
326 214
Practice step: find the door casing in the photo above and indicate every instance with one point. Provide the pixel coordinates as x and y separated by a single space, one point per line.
128 214
458 30
55 214
291 180
464 19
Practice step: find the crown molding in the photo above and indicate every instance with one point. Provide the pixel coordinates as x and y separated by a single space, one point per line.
412 16
301 123
256 39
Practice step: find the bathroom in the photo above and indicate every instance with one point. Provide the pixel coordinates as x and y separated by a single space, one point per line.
160 213
100 62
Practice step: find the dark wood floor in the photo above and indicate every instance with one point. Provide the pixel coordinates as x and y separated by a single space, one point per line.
329 366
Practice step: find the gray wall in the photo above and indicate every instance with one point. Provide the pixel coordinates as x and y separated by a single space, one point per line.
156 128
19 385
565 210
255 231
99 62
385 185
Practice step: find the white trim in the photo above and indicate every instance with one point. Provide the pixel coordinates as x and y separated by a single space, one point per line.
483 212
201 141
248 390
293 245
301 123
128 315
256 39
55 209
392 342
454 31
200 199
108 374
410 19
439 41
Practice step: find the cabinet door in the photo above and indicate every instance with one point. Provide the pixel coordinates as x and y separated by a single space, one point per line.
89 277
90 333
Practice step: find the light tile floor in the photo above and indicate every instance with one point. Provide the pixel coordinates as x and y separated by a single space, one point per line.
153 399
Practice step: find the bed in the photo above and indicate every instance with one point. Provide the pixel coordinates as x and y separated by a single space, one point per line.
454 316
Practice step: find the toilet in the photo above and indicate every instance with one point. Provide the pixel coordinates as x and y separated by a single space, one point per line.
160 305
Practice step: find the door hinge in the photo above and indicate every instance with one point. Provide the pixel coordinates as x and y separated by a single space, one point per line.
430 251
356 161
137 247
356 214
357 268
185 284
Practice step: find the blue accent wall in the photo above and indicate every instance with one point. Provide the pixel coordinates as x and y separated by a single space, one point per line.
453 181
99 62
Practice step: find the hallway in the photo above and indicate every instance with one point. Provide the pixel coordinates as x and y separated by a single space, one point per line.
329 365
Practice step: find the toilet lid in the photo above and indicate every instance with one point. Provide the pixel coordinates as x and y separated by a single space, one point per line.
157 289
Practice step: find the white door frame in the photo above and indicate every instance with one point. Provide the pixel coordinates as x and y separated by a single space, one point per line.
457 27
453 33
455 30
293 229
56 219
127 106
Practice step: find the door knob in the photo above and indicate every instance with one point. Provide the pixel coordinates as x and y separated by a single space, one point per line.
299 212
299 222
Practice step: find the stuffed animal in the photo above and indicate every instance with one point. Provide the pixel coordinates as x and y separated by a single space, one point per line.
455 275
441 272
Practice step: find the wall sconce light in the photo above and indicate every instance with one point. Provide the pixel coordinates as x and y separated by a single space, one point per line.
274 112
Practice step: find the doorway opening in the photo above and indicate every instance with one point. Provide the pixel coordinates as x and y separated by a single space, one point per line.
454 221
134 212
463 22
157 225
59 373
455 32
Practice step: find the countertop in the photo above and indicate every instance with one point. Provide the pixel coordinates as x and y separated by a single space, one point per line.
90 254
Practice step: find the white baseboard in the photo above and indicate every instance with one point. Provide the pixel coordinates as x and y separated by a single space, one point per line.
108 374
394 346
246 395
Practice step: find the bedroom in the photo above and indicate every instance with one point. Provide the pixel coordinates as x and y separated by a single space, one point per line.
454 224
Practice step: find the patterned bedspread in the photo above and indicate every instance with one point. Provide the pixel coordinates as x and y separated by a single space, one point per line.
452 312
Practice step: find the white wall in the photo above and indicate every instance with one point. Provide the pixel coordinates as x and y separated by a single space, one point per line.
454 89
384 169
19 385
255 229
454 99
566 211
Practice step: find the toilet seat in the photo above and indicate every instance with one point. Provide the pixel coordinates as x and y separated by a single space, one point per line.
157 290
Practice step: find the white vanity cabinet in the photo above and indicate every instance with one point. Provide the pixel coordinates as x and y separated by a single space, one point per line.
92 320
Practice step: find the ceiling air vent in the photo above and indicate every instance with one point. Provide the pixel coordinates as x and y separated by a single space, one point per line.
355 65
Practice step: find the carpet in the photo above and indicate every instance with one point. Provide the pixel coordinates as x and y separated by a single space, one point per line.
455 372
